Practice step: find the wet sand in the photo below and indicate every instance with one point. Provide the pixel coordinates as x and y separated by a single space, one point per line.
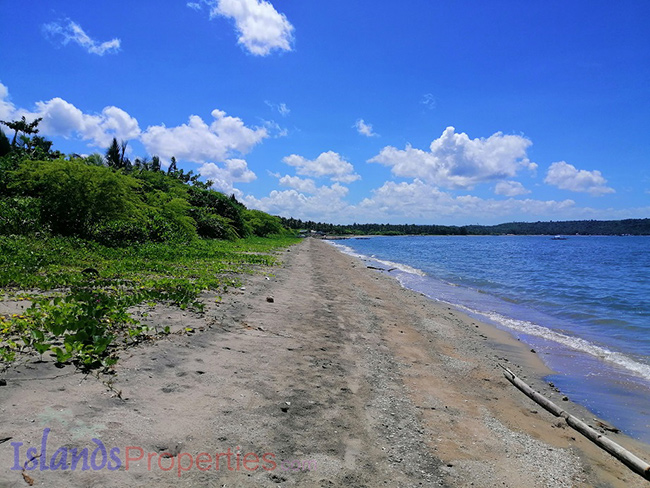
323 374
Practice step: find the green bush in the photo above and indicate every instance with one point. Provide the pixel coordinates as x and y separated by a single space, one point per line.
262 224
211 225
120 233
220 204
20 216
76 197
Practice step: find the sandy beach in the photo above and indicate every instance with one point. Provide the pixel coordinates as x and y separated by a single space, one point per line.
323 373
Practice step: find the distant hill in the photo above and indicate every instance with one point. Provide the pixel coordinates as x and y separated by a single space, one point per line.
582 227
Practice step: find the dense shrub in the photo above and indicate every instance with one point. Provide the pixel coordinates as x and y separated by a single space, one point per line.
20 216
120 233
211 225
220 204
76 197
262 224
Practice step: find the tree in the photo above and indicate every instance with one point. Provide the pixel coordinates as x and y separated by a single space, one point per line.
23 126
172 167
155 163
113 154
95 159
116 155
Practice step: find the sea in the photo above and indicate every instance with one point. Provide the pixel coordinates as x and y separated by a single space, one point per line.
581 302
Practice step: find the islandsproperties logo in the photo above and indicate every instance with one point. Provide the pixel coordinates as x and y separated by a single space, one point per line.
99 457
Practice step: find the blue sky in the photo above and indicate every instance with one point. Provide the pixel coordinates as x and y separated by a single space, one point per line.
414 112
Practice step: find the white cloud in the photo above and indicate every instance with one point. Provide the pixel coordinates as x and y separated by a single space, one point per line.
225 138
329 164
261 28
414 202
456 161
71 31
303 185
510 188
7 109
198 142
61 118
364 129
420 202
280 107
567 177
223 177
325 205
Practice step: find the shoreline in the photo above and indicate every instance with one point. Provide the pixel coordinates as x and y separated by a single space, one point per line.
343 366
609 381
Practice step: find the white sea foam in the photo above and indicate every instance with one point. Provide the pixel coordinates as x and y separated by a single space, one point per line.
402 267
390 264
576 343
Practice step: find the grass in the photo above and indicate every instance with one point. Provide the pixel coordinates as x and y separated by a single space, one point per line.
80 291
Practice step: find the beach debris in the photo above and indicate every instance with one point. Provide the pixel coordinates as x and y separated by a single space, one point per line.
606 426
3 382
270 299
633 462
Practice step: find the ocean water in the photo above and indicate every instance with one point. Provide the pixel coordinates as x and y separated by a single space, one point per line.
583 304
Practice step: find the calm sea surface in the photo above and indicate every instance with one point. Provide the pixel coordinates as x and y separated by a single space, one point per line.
582 303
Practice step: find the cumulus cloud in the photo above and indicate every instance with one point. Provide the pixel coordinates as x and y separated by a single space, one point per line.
61 118
303 185
328 164
364 129
414 201
261 28
456 161
326 204
567 177
67 31
223 177
418 201
199 142
510 188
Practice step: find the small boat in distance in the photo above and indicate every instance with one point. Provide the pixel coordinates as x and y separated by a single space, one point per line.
558 238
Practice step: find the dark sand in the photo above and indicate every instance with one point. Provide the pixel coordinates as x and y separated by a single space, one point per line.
345 371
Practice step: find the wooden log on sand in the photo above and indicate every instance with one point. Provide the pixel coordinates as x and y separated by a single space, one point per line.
626 457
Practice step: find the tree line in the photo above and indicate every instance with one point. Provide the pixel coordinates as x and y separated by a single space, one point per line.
581 227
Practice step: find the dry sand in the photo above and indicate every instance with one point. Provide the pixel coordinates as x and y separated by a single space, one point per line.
344 371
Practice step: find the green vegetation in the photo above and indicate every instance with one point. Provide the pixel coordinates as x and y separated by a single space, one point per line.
84 317
82 240
582 227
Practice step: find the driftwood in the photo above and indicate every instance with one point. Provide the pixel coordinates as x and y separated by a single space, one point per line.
626 457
